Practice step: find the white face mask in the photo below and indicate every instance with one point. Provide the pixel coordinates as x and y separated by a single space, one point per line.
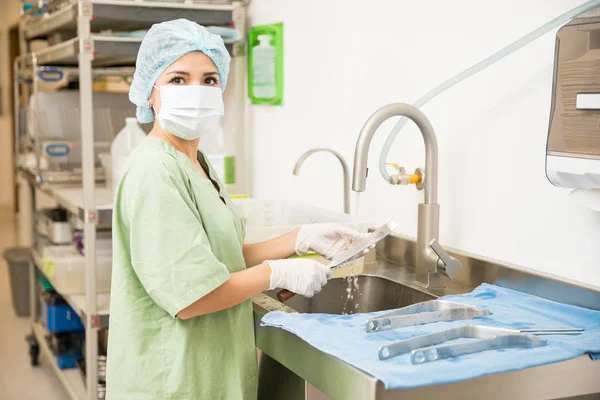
187 111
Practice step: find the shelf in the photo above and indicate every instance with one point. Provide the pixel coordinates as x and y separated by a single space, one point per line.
108 51
71 198
127 16
77 301
63 178
70 378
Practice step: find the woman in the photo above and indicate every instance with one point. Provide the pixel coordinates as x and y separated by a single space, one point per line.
181 323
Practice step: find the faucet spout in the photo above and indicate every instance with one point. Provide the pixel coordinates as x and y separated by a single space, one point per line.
432 260
345 171
361 153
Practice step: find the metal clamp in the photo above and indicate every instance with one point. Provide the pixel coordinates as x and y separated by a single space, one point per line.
424 348
425 313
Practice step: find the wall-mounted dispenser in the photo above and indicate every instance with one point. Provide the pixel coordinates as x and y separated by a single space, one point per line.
573 150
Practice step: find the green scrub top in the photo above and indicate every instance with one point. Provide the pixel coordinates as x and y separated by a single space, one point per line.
174 241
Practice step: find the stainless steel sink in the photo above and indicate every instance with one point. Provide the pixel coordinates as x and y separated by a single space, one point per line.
288 363
374 293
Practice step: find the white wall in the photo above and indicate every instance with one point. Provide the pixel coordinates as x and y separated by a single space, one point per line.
345 59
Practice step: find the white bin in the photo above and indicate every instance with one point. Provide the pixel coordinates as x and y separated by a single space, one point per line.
268 219
65 268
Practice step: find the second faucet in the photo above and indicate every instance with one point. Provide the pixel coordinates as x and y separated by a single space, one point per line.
346 176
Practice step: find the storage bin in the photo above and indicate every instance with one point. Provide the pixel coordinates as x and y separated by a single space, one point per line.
68 360
65 268
267 219
18 260
54 119
58 316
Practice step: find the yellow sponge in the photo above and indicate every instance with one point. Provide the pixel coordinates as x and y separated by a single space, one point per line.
357 265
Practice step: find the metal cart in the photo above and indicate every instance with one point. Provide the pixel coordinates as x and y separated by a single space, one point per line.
83 57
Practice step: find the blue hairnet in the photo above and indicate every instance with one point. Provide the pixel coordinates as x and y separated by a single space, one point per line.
164 44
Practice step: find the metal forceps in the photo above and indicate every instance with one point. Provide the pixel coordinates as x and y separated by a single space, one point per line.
428 348
425 313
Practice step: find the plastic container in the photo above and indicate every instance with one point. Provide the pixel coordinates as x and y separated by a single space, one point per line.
219 149
126 140
55 120
18 266
54 224
264 68
58 316
58 117
68 360
267 219
65 268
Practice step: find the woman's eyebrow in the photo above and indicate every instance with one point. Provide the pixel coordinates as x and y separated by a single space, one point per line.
210 73
178 73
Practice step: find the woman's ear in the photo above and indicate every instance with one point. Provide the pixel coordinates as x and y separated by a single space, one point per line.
152 99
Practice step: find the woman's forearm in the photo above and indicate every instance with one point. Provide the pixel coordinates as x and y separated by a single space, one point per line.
243 285
240 287
278 248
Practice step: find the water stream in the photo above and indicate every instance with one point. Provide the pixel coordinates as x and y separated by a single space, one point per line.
351 279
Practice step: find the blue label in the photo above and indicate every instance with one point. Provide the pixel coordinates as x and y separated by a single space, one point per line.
57 150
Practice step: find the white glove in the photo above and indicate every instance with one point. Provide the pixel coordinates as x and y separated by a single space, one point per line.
305 277
326 239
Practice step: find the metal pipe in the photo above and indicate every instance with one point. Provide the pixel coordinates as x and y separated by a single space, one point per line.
346 175
361 153
90 213
36 125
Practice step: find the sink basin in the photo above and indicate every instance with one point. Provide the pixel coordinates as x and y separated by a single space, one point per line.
374 293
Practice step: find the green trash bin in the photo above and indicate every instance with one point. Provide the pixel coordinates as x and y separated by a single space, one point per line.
18 260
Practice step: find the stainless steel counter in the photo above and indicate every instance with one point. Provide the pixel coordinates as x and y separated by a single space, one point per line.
388 281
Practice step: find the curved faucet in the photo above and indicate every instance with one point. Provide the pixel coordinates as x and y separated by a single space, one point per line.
432 259
346 176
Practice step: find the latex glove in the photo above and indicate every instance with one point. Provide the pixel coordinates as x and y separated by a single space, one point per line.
301 276
326 239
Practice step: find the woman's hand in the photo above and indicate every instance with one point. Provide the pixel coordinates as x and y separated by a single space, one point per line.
305 277
326 239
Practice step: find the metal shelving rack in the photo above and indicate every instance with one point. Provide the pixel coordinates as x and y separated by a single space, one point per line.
89 52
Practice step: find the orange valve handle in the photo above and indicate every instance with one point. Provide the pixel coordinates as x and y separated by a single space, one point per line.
413 179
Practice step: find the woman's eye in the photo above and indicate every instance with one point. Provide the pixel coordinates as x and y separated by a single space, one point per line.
210 81
177 80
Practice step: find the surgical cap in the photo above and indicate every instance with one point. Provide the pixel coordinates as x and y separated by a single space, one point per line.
164 44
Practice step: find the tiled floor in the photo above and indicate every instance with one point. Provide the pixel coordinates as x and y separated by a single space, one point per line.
18 380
